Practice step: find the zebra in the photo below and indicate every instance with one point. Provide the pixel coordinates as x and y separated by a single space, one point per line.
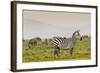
65 43
32 43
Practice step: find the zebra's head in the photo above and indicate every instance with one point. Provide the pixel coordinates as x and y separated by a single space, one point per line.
76 35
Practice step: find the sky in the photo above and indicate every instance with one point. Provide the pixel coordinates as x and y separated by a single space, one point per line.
47 24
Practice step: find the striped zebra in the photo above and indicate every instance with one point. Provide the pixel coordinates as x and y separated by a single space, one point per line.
65 43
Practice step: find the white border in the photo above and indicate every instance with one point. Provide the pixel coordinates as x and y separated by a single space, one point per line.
34 65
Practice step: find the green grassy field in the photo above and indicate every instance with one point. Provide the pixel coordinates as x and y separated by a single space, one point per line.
42 53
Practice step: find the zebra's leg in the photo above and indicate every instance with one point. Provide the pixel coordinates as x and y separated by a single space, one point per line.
29 46
56 51
71 51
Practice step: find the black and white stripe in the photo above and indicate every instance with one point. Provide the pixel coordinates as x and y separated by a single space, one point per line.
65 43
60 42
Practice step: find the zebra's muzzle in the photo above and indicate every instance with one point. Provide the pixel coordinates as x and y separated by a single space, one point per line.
80 38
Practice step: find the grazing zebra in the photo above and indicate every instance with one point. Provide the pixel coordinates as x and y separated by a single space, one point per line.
32 43
65 43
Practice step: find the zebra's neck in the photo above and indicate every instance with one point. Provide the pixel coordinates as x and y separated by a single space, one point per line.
74 39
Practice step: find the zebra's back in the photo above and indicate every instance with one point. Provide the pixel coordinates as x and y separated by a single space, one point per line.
63 43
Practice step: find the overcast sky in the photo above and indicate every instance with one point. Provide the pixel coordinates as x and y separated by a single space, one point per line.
46 24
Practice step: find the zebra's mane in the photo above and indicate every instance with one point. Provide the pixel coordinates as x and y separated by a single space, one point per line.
75 32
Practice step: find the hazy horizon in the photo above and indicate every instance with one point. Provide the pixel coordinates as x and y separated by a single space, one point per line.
49 24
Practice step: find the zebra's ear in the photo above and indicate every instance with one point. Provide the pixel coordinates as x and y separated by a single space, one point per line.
78 30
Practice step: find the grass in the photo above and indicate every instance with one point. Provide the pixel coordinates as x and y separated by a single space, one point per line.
42 53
